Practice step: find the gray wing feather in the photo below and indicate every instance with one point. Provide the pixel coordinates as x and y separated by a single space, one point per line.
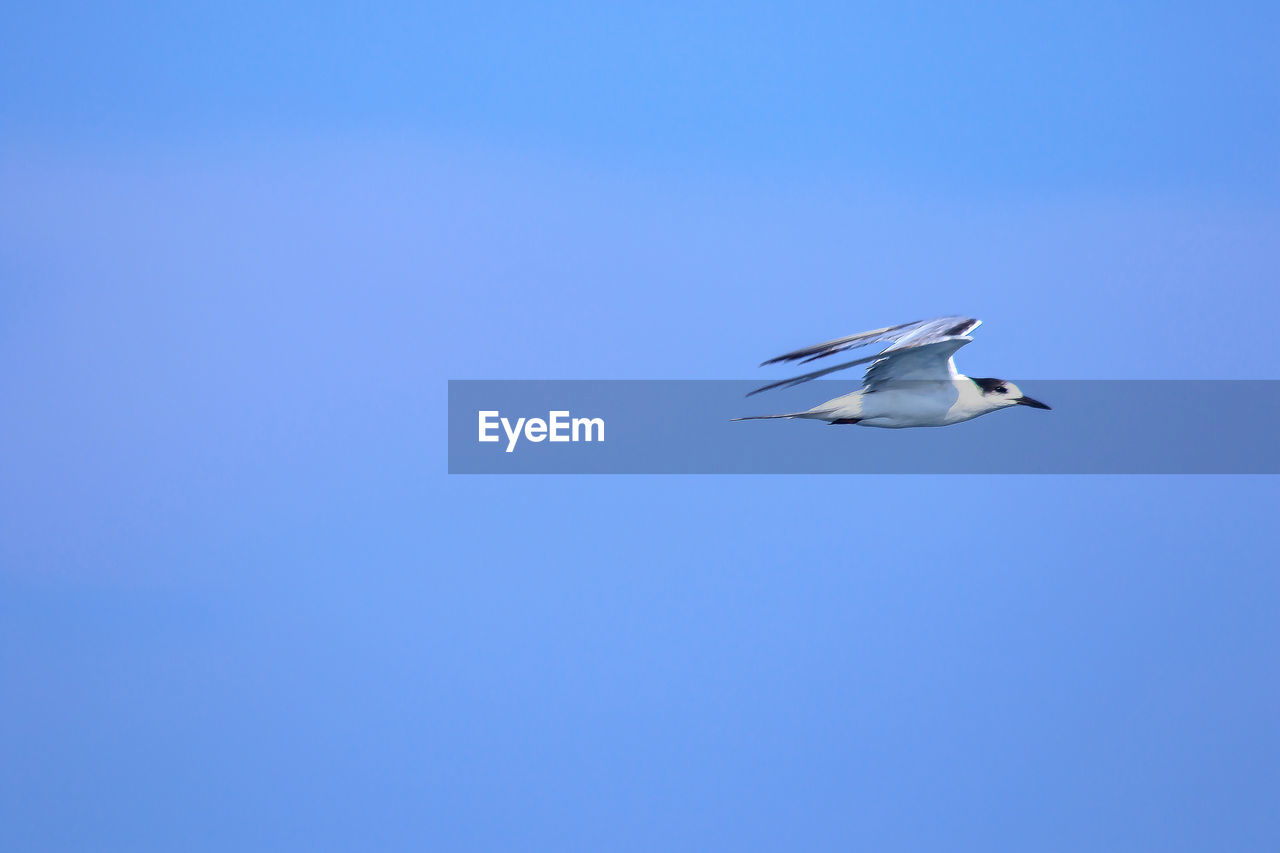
797 380
903 338
926 362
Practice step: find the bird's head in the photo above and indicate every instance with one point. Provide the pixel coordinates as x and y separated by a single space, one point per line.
1001 393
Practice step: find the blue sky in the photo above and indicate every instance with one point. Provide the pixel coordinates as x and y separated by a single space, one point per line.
243 606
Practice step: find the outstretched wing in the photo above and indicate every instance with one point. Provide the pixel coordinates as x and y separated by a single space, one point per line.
902 336
930 344
926 362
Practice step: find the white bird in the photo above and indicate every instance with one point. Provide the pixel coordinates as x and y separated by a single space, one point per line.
911 383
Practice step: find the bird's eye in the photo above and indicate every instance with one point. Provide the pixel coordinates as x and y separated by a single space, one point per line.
1002 390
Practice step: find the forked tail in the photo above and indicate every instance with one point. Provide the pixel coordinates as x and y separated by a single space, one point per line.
809 414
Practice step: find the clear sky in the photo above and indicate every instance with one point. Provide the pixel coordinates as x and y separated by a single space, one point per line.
242 605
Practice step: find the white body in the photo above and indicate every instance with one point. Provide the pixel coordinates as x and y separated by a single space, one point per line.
909 404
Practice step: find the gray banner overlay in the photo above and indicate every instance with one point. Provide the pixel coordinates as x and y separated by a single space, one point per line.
683 427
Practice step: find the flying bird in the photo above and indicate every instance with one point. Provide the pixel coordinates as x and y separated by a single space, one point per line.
913 382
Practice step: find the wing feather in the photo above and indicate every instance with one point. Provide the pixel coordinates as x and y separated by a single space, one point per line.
926 362
922 349
903 335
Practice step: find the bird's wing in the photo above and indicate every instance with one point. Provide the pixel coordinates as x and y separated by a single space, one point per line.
917 339
902 336
931 361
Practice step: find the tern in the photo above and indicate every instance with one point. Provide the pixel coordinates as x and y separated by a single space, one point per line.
911 383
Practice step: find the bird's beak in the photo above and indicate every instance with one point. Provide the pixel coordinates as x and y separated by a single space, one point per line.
1035 404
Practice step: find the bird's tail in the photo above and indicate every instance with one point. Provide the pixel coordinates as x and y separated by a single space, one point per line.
808 414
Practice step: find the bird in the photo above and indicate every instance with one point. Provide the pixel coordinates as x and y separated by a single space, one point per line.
912 382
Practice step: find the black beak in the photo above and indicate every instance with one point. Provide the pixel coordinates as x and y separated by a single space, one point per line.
1035 404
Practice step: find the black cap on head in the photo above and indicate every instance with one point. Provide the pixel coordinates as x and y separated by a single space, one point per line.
987 385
